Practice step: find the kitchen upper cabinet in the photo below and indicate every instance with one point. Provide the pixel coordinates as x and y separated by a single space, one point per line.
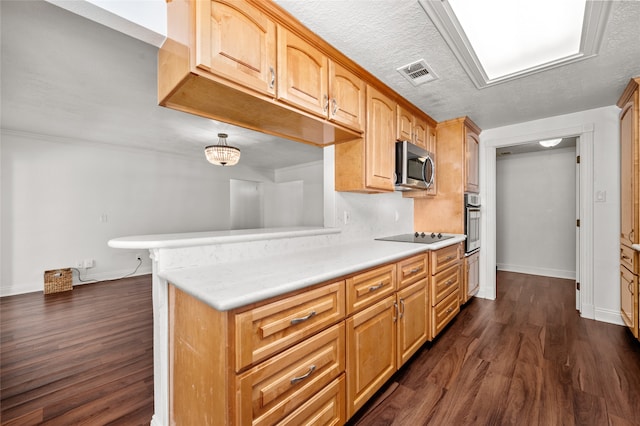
471 158
368 164
629 102
347 97
379 138
411 127
302 74
237 42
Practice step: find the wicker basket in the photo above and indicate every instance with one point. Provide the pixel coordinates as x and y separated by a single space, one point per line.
58 280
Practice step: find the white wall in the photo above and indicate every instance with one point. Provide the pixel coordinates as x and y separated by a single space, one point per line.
536 213
62 200
599 149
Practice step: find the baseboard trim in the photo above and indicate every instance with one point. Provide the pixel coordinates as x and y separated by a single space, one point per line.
608 315
531 270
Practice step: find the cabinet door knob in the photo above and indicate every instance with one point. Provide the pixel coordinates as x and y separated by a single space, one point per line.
295 380
303 319
272 82
335 107
325 108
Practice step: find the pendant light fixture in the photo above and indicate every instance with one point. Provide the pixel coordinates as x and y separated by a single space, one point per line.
550 142
222 154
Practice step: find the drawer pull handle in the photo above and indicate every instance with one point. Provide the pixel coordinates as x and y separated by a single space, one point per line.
625 257
303 319
414 270
449 258
375 287
295 380
449 282
449 310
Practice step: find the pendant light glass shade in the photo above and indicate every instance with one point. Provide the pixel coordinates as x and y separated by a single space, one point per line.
222 154
550 142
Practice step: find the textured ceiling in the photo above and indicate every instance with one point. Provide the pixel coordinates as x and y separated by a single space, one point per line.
382 35
66 76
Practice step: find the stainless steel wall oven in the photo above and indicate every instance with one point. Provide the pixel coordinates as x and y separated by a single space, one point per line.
472 222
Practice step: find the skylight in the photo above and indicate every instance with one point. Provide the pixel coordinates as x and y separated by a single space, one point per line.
499 40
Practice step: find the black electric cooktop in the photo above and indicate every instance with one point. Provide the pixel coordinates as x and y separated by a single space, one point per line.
418 237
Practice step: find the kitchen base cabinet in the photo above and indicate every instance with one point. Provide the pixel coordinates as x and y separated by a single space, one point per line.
446 279
371 351
629 299
413 320
327 407
471 277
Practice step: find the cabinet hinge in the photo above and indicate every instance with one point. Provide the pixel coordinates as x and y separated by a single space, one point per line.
578 223
577 286
578 159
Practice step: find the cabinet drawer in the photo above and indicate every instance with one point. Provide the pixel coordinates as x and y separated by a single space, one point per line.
268 329
366 288
412 270
326 408
628 257
444 283
443 258
444 312
275 388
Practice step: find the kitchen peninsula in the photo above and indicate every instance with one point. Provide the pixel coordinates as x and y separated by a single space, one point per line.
226 273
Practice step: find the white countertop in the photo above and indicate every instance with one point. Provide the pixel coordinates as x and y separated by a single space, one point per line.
190 239
229 285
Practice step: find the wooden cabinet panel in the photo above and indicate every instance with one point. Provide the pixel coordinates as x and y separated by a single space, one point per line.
444 283
273 389
444 312
413 319
380 139
471 170
404 125
371 351
412 269
302 74
629 299
237 42
327 407
268 329
445 257
366 288
420 136
347 93
471 277
629 258
629 169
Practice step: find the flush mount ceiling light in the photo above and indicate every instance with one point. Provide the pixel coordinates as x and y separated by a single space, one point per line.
550 142
222 154
501 40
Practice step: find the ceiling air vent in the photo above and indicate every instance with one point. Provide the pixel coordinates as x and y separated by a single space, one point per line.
417 72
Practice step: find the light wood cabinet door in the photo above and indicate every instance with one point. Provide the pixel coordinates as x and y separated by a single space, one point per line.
404 124
270 328
471 277
629 299
380 140
275 388
420 136
347 93
303 74
237 42
371 351
471 170
629 169
413 319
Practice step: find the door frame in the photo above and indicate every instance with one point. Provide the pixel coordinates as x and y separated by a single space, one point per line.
488 218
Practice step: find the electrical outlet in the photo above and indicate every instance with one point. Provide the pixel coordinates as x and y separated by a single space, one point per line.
139 257
89 263
80 264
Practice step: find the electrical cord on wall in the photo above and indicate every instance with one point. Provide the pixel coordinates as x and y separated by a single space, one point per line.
118 278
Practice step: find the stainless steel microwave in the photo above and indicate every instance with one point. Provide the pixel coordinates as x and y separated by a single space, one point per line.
415 167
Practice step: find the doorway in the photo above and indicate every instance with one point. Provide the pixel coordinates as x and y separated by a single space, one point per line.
584 256
536 209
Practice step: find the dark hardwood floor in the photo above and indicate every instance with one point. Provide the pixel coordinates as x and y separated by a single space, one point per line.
526 359
85 357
